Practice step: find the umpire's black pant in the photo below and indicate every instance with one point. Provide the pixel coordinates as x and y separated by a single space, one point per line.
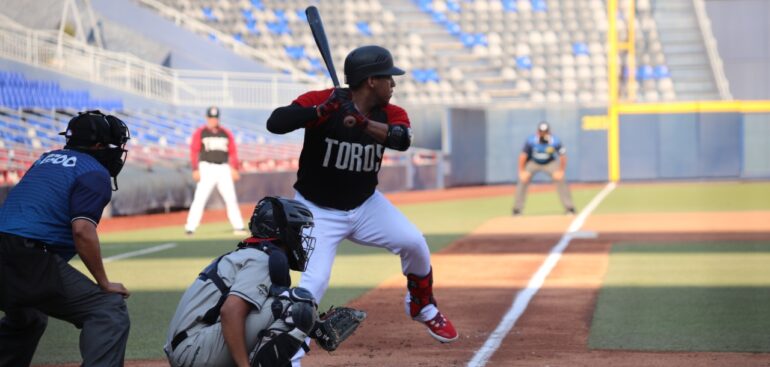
35 284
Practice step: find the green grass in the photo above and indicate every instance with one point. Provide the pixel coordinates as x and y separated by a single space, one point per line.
708 296
687 197
157 280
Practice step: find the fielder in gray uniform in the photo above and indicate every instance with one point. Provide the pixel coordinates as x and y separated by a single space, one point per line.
543 152
240 310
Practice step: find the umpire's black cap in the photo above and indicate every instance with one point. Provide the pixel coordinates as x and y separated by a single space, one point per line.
87 129
212 111
543 127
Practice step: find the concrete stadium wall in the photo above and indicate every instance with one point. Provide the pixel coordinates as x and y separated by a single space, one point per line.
694 146
485 145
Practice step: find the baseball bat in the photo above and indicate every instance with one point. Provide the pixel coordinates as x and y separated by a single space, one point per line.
319 35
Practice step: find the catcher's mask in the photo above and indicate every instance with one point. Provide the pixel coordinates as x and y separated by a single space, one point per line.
288 221
92 127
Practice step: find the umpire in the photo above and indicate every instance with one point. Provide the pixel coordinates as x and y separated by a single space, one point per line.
46 219
540 154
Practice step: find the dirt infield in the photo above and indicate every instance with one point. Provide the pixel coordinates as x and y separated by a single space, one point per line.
478 277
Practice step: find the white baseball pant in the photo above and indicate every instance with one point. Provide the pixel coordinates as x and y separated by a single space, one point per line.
219 176
376 223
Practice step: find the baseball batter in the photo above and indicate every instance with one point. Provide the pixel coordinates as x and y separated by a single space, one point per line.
214 161
48 218
337 178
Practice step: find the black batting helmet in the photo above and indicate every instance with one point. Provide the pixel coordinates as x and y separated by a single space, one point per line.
290 223
367 61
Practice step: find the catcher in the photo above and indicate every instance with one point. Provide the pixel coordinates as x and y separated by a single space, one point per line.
241 310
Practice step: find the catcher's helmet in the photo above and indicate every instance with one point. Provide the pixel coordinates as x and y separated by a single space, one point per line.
290 223
367 61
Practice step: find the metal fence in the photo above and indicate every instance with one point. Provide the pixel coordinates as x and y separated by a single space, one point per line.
50 50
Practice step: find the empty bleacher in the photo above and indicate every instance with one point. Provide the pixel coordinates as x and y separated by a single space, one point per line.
459 52
33 112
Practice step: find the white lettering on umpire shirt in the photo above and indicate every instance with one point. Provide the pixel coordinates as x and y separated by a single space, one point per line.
62 159
353 156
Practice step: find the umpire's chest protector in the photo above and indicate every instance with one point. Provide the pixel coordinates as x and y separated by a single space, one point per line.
338 166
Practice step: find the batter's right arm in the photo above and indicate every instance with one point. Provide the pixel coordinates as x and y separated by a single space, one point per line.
289 118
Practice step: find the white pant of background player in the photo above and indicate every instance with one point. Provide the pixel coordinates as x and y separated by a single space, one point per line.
376 223
219 176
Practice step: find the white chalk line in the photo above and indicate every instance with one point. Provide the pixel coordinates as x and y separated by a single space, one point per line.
525 295
141 252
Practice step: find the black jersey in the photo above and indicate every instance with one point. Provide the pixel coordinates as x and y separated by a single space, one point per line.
213 146
338 165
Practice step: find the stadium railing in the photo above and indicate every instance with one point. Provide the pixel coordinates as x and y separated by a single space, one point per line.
125 72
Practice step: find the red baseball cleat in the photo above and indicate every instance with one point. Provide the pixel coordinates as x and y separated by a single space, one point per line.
441 329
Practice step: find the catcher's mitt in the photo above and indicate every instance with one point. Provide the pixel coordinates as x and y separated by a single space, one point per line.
335 326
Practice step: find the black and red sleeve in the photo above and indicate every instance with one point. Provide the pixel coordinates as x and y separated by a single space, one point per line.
300 113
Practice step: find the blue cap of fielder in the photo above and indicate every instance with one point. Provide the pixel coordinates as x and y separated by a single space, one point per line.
543 127
212 111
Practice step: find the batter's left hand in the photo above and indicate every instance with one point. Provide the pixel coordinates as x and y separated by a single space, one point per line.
353 117
234 173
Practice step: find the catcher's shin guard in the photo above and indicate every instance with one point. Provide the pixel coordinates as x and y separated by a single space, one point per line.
420 292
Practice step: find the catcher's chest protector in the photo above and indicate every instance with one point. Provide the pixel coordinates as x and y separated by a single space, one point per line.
279 277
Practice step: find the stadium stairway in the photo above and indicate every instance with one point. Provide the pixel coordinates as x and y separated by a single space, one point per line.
683 45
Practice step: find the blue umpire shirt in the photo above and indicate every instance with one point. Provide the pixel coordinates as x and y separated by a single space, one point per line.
543 153
60 187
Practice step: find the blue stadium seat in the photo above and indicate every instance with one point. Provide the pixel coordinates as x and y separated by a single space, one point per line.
252 27
524 63
301 15
278 27
295 52
247 15
662 72
208 14
257 4
454 29
645 72
510 6
468 40
439 17
481 40
579 48
363 27
539 6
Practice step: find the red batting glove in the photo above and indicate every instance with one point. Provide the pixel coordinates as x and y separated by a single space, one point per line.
353 117
333 103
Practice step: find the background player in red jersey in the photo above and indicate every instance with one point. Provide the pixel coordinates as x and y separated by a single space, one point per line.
337 178
214 161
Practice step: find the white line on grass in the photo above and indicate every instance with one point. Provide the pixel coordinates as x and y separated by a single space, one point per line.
141 252
525 295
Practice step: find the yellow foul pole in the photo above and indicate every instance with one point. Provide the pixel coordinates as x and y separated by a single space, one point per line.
613 135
